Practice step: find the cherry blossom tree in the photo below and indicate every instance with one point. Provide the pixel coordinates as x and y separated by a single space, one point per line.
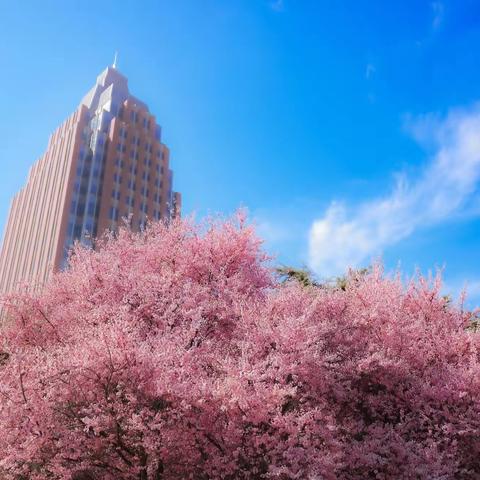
177 353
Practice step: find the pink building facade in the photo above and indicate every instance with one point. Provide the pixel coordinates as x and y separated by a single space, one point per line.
104 163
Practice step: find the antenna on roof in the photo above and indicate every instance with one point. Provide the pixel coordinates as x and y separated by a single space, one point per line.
114 65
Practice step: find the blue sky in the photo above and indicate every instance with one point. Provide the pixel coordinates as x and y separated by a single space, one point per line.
348 129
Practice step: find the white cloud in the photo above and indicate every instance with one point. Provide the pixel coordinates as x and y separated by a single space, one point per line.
370 70
277 5
438 14
346 237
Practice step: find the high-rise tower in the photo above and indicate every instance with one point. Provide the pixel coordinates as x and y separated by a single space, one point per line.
105 162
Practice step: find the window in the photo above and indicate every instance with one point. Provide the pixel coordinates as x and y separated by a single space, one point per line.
146 176
131 185
145 191
117 178
133 170
81 209
113 214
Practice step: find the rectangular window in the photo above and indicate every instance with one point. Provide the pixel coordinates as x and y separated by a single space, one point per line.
113 214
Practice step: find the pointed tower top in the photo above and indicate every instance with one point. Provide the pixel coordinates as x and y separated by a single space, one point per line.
114 65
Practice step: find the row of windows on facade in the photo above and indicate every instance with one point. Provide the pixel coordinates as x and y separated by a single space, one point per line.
136 118
146 161
121 147
145 176
75 231
117 178
129 199
82 189
114 213
123 134
79 210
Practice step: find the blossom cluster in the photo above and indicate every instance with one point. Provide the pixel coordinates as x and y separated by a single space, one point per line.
176 353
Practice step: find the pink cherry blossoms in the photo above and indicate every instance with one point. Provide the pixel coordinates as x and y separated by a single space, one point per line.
177 354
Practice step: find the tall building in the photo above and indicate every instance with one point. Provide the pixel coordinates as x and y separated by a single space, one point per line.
105 162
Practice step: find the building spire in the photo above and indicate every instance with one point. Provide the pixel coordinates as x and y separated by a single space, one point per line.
114 65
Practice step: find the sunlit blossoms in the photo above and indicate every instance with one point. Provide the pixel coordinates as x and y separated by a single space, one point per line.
177 354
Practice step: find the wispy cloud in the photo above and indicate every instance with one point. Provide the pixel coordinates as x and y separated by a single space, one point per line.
370 70
438 10
277 5
345 237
